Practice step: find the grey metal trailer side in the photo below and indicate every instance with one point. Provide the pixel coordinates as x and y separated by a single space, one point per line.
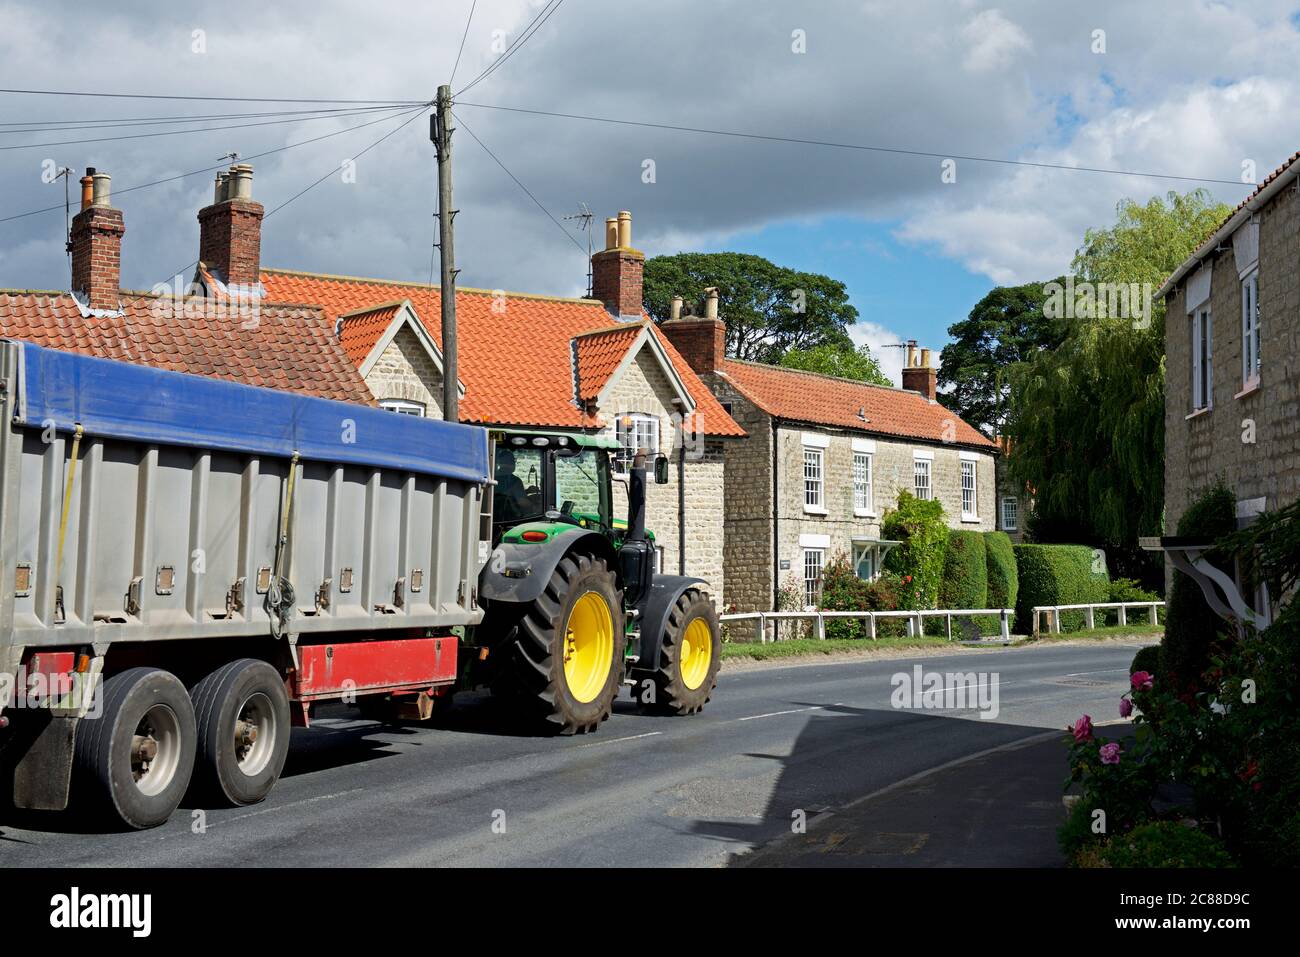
188 564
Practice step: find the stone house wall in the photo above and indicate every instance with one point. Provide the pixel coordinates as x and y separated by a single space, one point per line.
1250 441
406 371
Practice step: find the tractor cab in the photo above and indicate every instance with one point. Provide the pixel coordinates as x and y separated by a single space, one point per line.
553 479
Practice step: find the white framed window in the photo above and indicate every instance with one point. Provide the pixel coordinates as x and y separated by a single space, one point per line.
402 406
921 478
814 559
1010 513
814 480
862 491
968 497
635 432
1250 330
1202 359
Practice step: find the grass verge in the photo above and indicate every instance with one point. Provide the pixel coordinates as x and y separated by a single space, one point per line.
831 646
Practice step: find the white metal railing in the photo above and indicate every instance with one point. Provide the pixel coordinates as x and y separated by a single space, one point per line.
1089 610
915 619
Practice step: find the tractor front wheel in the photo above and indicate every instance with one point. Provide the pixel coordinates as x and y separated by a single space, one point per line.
567 649
689 657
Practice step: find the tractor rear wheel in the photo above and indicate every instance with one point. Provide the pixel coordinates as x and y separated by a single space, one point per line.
689 657
566 652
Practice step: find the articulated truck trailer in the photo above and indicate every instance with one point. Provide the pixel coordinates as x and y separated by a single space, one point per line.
189 566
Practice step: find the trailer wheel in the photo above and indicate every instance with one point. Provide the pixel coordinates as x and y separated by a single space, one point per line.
689 656
242 712
567 649
134 761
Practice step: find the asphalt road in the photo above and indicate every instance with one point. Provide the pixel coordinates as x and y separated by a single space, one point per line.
649 791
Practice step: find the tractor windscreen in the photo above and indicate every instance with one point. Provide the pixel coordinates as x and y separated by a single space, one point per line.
579 485
518 495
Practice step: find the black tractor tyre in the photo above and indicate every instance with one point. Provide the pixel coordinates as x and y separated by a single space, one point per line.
672 694
132 763
534 677
242 714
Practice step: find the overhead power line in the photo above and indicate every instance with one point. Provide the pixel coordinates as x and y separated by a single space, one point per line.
68 126
543 15
204 129
463 37
850 146
414 114
215 99
519 183
117 191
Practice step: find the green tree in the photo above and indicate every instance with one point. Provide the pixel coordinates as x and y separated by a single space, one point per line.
838 360
1005 328
768 309
1087 417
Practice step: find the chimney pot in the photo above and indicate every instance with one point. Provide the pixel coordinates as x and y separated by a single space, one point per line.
676 312
625 229
88 188
241 176
101 189
611 233
925 358
711 302
219 188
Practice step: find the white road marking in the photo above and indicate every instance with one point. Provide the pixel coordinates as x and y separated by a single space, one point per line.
1108 671
773 714
630 737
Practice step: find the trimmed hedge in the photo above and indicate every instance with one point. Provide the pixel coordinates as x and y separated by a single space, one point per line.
1004 581
1190 626
1057 575
965 572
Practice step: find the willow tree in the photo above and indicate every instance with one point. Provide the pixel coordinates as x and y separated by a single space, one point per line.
1087 417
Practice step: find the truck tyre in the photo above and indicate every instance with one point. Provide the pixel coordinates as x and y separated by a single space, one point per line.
566 652
689 657
133 763
242 713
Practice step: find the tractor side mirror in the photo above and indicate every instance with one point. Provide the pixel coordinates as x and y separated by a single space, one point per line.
661 470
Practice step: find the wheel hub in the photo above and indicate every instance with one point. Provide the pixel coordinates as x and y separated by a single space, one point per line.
588 647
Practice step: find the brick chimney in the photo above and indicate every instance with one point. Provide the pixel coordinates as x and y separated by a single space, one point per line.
616 271
96 241
702 340
918 376
230 230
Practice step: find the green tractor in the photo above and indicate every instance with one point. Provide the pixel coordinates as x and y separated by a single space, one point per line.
574 606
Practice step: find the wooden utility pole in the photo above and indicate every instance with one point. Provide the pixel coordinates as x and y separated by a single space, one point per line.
440 132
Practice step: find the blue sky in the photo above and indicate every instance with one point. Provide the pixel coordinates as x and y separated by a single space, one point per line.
898 285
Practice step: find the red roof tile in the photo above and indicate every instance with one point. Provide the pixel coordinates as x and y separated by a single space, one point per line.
824 400
515 350
360 331
599 355
283 347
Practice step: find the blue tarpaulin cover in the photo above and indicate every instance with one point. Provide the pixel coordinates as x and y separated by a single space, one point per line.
121 400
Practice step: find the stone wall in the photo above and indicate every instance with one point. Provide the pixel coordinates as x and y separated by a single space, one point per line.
644 388
1216 444
405 370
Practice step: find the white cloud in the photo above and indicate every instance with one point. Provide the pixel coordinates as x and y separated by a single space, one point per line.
994 42
881 342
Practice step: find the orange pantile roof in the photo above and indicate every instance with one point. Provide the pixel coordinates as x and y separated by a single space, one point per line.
360 331
515 350
599 355
825 400
280 347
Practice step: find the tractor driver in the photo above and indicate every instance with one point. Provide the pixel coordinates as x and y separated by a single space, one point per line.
512 499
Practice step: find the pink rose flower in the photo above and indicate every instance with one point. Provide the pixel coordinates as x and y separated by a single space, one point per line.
1082 729
1141 681
1125 707
1110 753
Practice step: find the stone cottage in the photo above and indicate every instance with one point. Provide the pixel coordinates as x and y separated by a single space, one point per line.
1232 357
824 459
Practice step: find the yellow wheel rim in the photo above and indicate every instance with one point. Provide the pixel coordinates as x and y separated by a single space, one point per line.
588 647
697 653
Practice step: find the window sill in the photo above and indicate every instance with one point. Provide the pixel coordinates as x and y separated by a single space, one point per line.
814 510
863 513
1196 414
1250 388
969 518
